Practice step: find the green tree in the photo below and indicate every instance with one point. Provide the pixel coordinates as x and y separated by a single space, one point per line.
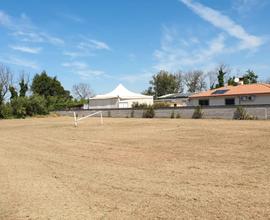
46 86
250 77
222 71
231 81
164 83
13 92
23 87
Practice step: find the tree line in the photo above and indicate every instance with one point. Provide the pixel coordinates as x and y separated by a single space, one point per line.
165 82
44 93
37 97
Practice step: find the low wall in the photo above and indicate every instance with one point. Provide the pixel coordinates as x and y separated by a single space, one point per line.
210 112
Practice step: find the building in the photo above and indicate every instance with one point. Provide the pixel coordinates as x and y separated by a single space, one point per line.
175 100
251 94
120 97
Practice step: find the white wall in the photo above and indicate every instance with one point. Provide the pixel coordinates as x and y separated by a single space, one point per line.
103 103
115 103
140 101
219 101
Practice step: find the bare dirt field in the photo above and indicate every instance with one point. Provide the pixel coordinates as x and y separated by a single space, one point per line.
134 169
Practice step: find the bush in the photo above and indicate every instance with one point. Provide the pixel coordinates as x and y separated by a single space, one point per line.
36 106
161 105
241 114
5 111
19 106
136 105
198 113
172 114
149 112
178 115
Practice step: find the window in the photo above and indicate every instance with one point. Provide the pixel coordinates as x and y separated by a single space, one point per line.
204 102
229 101
220 91
247 98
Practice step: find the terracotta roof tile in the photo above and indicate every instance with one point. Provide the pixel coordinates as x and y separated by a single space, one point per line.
249 89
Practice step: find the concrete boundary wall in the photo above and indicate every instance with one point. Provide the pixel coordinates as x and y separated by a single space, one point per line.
218 112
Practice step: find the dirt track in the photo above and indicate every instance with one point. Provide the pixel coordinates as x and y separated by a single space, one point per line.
134 169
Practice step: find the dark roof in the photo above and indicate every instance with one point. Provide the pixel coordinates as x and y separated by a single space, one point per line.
175 96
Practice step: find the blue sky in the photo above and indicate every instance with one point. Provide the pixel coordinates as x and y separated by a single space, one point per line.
104 43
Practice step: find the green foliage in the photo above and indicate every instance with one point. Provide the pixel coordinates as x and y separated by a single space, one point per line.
149 112
36 106
47 86
231 81
5 111
161 105
13 92
19 106
221 74
156 105
149 91
136 105
1 95
250 77
198 113
241 114
23 88
164 83
172 114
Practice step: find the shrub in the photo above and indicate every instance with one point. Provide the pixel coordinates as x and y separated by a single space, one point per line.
172 114
178 115
136 105
161 105
5 111
36 106
149 112
241 114
19 106
198 113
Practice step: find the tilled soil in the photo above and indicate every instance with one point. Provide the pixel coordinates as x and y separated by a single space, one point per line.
134 169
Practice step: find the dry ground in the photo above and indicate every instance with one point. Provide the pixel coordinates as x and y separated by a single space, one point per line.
134 169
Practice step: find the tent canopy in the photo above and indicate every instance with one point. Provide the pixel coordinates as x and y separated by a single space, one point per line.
123 93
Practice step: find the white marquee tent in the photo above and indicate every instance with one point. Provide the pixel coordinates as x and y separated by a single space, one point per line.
120 97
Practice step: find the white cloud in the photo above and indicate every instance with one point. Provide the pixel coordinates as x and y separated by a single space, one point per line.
25 49
82 69
23 30
72 17
19 62
216 18
5 19
244 7
93 45
139 77
35 37
177 53
86 47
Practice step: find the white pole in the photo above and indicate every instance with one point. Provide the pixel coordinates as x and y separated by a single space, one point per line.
101 118
75 119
